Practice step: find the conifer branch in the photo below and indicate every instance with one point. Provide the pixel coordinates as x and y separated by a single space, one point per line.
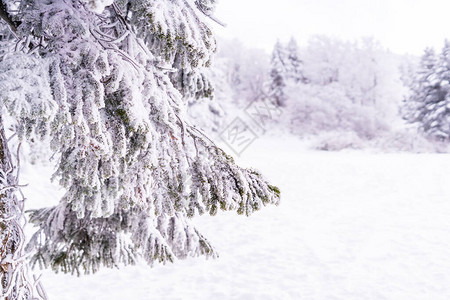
4 14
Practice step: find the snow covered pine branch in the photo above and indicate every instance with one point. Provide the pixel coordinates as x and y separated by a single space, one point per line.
108 85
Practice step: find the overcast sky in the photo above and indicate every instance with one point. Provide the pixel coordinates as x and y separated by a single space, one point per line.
404 26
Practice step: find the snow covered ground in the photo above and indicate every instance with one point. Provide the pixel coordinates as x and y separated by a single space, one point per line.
351 225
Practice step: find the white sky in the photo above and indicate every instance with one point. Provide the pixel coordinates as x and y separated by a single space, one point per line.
404 26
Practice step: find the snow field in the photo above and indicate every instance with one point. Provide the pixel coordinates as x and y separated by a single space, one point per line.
351 225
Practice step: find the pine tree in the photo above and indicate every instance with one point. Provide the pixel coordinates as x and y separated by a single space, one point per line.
278 74
414 106
429 102
294 63
102 80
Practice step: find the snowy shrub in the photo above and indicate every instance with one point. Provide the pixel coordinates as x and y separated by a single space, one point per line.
407 140
314 109
337 140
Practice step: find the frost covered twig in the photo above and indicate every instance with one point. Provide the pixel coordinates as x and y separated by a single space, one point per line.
15 281
7 17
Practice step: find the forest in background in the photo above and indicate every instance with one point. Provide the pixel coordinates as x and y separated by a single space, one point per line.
336 94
